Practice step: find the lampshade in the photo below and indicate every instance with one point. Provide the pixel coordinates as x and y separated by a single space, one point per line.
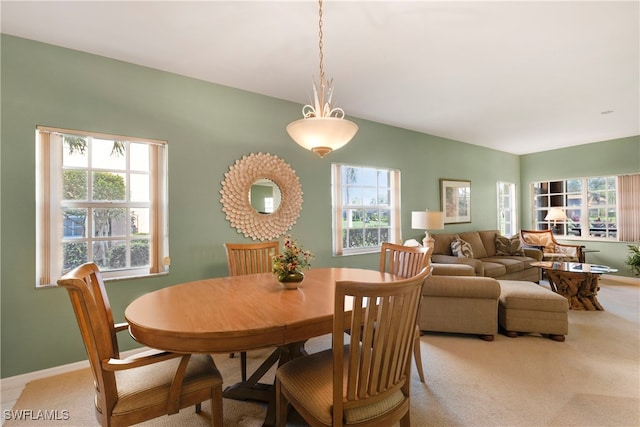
435 220
555 214
419 220
427 220
322 134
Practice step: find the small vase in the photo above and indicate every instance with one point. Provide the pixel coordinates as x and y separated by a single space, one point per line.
292 280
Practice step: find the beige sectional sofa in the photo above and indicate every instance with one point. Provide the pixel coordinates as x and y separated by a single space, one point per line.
469 304
485 260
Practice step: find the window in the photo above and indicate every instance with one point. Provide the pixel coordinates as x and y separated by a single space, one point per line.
507 212
590 205
101 198
366 208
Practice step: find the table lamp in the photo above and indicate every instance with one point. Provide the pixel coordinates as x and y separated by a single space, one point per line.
427 220
555 214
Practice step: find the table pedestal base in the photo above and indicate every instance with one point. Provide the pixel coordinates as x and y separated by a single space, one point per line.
579 288
253 389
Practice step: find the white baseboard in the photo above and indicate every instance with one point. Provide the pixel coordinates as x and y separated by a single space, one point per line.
11 387
623 280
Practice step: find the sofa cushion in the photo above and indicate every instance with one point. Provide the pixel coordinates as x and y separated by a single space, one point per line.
488 238
493 269
461 248
442 244
461 287
511 264
526 260
509 246
473 237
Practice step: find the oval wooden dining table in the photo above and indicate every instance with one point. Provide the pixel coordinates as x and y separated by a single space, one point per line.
240 313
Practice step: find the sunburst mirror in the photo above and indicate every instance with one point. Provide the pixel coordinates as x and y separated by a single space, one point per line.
261 196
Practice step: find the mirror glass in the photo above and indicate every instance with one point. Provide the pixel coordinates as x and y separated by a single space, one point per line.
264 196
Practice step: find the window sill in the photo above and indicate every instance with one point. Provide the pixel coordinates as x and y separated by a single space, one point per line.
588 239
112 279
362 252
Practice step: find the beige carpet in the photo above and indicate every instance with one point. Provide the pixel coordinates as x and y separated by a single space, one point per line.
591 379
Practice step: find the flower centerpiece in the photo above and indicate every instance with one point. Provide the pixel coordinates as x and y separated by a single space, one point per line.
287 265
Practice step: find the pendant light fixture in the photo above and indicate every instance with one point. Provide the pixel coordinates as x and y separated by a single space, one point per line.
323 128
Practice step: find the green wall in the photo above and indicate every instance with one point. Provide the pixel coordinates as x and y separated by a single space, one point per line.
616 157
208 128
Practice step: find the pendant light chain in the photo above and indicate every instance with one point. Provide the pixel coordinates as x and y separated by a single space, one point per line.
322 128
322 82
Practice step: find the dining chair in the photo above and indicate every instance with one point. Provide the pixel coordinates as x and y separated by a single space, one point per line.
250 258
365 380
406 261
144 386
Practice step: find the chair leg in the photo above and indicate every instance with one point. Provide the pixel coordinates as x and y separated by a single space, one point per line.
216 407
198 407
281 406
243 365
406 420
418 355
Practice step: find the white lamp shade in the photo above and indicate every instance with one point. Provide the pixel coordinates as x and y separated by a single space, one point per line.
419 220
427 220
555 214
435 220
322 134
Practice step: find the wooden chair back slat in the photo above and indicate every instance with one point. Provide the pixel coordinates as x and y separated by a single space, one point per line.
382 322
250 258
403 261
406 261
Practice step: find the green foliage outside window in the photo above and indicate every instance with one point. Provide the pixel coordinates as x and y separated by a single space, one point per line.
117 255
106 186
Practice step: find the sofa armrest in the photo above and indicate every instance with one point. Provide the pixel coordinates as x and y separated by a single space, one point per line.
573 250
461 287
453 270
533 253
477 265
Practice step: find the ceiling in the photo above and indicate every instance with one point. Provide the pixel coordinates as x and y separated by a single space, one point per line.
515 76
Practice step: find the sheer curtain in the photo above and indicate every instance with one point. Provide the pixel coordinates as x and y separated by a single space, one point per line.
629 208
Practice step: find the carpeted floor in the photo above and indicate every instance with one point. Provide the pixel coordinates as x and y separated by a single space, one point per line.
591 379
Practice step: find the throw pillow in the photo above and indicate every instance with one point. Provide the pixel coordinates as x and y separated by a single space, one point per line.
509 246
460 248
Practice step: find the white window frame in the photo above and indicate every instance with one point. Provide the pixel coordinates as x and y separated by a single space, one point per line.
507 208
338 188
560 197
49 217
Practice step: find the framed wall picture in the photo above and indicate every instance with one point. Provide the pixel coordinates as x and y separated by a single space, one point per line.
455 200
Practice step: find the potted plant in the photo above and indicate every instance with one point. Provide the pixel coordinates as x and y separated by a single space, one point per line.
288 264
633 260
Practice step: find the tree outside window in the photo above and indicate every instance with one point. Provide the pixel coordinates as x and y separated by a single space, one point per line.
364 202
102 192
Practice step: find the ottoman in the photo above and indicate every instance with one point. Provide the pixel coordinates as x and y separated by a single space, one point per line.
526 307
460 304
